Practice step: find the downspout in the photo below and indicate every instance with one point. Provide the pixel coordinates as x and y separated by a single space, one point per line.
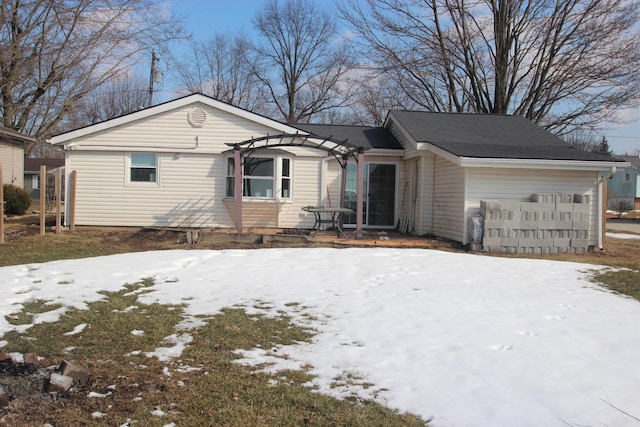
600 182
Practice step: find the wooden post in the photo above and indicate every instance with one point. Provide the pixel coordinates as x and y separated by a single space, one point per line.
72 200
360 194
605 202
343 188
43 198
237 158
58 198
1 208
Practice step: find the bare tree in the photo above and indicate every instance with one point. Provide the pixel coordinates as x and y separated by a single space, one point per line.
123 95
586 141
583 141
563 64
53 53
224 68
304 62
376 94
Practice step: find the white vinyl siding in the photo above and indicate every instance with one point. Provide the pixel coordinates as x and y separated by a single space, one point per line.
171 132
306 175
191 174
190 193
448 200
520 184
12 161
421 195
183 198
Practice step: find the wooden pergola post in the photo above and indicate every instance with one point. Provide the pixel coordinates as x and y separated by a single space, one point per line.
360 193
72 201
237 160
1 208
43 198
58 191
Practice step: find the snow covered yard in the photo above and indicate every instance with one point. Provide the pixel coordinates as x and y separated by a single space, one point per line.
467 340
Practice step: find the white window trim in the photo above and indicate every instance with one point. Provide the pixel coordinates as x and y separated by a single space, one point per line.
277 178
129 182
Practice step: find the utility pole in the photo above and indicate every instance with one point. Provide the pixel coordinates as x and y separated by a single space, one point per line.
154 76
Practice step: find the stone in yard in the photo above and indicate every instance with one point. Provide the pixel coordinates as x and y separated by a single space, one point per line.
79 374
4 397
59 383
30 358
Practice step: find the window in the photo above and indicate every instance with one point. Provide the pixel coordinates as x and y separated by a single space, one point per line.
286 179
35 182
379 194
143 167
258 173
262 177
627 177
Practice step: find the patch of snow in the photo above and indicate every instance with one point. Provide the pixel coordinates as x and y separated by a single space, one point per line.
99 395
158 412
467 339
623 235
76 330
165 354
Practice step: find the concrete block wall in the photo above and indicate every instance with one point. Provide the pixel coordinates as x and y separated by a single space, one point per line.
549 223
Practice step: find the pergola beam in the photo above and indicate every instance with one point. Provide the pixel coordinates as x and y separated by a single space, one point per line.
342 156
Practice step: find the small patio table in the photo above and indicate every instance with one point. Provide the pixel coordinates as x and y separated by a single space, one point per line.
328 215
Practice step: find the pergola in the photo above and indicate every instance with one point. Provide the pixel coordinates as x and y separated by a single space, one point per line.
337 148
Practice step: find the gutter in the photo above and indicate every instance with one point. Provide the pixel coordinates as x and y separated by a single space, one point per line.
601 220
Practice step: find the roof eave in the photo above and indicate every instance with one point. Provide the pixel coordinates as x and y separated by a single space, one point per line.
584 165
399 152
13 137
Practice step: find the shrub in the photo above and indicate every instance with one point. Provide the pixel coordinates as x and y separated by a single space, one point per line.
16 200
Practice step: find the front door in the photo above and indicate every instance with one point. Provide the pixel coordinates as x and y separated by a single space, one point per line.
379 194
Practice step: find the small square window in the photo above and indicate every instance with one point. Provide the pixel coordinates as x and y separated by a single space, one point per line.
143 167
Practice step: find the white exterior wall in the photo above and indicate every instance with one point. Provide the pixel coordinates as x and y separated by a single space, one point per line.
182 197
520 184
448 200
307 191
12 161
191 168
422 194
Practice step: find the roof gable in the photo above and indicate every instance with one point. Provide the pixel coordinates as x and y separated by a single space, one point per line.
167 107
488 136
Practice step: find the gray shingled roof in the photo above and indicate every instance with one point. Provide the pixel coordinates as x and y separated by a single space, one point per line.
356 136
33 164
489 136
634 160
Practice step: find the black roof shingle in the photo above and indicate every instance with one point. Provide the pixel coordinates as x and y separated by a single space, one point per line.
489 136
357 136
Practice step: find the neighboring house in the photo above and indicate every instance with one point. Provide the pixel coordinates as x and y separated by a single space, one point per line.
12 145
624 186
32 175
176 164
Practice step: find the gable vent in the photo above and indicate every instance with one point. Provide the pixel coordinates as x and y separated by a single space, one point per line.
197 117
